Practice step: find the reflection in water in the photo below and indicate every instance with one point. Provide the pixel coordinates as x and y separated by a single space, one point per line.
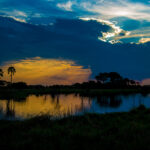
63 105
109 101
10 108
57 105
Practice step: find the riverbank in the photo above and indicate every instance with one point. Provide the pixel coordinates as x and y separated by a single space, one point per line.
115 131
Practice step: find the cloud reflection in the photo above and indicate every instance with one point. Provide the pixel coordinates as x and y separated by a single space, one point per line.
58 106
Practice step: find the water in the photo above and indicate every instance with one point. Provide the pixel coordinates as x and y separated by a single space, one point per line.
63 105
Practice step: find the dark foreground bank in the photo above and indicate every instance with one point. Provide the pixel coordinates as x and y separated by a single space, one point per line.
125 131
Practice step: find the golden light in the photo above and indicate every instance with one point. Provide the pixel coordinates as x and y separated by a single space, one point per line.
144 40
57 106
47 71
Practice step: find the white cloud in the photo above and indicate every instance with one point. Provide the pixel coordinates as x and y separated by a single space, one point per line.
109 9
133 35
17 15
17 19
144 40
117 34
66 6
110 35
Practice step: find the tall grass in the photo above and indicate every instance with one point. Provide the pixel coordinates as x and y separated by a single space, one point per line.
126 131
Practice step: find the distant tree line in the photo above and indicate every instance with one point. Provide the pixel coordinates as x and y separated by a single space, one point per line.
108 80
114 78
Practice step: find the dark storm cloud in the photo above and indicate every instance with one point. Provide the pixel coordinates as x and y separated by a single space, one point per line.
75 40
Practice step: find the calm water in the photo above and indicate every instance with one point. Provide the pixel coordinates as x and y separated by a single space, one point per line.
62 105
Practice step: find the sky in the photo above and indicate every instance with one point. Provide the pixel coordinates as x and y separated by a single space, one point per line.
74 40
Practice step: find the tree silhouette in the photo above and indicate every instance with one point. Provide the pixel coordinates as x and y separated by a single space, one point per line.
11 71
132 82
114 76
127 81
102 77
1 73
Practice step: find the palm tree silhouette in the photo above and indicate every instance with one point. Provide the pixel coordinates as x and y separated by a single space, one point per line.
1 73
11 71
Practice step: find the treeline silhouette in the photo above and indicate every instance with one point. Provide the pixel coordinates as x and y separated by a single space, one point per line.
107 80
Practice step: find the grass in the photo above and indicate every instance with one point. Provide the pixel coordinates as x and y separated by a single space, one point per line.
115 131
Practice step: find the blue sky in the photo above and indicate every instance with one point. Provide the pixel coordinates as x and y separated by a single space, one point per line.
105 35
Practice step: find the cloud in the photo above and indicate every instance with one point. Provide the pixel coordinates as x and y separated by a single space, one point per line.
74 40
118 35
144 40
104 9
18 19
132 36
47 71
66 6
17 15
109 9
111 34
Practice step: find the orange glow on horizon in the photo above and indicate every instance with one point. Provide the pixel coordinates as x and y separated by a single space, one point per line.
47 71
145 81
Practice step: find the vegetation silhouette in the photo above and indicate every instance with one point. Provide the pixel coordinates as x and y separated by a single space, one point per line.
10 109
115 131
104 84
114 78
109 101
11 71
111 80
102 77
1 73
18 85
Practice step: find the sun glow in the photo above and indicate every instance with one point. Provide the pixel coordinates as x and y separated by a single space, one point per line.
47 71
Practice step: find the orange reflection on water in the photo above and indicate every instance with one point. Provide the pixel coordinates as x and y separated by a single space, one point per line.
47 71
55 106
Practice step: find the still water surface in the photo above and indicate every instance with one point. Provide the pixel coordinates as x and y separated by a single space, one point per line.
63 105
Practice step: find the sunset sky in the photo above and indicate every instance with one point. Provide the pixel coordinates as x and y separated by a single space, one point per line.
68 41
